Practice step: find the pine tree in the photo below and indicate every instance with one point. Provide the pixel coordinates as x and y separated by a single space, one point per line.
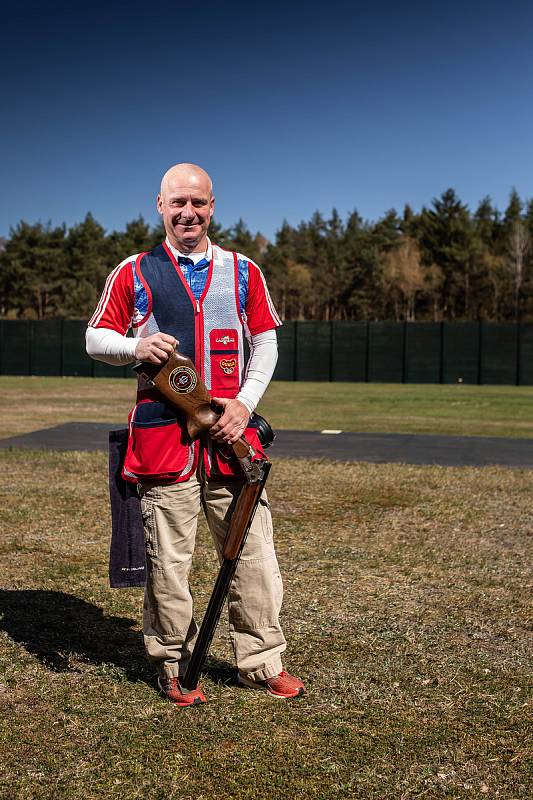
90 260
32 266
445 234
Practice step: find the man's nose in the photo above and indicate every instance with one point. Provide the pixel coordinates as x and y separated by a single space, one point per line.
188 211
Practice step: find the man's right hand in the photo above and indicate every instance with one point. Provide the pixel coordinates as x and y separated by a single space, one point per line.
155 348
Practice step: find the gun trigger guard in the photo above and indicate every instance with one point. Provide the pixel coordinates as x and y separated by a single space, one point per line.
225 452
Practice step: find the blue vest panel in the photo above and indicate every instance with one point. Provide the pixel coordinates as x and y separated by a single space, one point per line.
171 305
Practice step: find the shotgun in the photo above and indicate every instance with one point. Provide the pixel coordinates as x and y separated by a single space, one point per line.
182 387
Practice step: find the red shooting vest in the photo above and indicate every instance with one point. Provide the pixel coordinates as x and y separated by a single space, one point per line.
210 333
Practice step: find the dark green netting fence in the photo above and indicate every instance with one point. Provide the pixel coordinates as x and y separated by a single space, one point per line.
349 351
312 351
385 352
46 348
498 353
15 347
75 359
525 360
286 344
460 352
422 352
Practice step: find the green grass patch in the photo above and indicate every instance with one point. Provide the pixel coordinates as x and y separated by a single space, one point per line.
406 611
402 408
27 404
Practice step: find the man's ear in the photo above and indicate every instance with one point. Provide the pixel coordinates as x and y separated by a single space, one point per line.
212 207
159 204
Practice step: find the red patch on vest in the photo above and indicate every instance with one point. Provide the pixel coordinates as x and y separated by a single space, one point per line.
228 365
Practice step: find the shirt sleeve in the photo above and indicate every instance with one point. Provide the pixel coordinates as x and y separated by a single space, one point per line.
260 312
116 305
110 346
261 365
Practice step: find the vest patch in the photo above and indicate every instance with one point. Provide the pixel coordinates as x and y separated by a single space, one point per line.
228 365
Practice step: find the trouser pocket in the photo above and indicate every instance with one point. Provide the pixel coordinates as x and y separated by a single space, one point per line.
150 530
263 510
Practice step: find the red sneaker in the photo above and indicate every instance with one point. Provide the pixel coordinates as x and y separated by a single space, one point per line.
172 690
283 685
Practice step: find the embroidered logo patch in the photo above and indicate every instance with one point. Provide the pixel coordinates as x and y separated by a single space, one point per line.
225 339
183 380
228 365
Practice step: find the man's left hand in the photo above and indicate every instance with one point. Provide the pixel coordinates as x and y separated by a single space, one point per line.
233 421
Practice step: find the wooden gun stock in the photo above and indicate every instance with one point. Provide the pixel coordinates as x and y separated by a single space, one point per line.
183 388
180 384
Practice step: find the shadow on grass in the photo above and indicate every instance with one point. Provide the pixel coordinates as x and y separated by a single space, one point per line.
219 671
60 629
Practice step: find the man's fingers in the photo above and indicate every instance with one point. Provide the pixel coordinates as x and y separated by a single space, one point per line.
162 352
156 348
228 432
166 337
165 347
157 355
233 421
164 342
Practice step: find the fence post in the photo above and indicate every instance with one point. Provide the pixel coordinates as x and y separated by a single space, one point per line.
62 349
441 352
30 347
331 348
404 351
295 359
480 354
367 351
518 352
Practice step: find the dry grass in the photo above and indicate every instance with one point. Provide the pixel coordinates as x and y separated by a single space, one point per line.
407 613
389 408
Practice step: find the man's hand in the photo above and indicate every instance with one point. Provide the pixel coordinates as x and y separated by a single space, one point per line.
155 348
233 421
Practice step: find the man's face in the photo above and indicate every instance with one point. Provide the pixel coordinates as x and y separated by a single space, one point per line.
186 205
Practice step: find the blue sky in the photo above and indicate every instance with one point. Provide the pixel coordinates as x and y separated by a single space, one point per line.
290 107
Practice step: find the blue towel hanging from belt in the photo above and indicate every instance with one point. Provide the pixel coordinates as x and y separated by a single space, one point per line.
127 559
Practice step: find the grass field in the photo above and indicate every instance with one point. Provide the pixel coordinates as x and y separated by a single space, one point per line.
407 613
31 403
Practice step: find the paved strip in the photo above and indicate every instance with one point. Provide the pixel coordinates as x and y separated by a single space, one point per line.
379 448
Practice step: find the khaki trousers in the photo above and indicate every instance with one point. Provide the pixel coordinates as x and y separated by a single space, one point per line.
170 515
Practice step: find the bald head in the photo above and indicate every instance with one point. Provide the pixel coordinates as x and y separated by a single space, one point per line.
186 204
186 175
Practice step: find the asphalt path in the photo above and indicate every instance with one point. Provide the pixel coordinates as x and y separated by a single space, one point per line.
379 448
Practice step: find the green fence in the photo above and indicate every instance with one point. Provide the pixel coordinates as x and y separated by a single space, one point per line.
406 352
385 352
50 347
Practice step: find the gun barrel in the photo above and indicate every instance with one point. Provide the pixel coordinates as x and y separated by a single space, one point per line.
250 496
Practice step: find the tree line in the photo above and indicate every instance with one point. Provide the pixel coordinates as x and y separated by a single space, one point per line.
445 262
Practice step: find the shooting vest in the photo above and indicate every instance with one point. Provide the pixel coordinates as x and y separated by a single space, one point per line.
210 333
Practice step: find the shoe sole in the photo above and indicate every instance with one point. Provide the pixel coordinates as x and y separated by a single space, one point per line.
259 687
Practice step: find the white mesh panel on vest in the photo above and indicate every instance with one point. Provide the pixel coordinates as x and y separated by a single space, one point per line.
220 307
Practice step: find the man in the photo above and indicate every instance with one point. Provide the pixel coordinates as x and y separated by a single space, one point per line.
190 293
